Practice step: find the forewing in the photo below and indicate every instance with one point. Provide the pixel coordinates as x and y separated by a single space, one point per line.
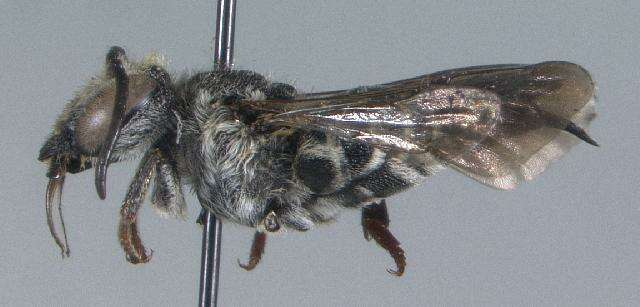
407 116
496 124
440 117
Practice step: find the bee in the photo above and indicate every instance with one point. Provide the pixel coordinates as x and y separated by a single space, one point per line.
260 154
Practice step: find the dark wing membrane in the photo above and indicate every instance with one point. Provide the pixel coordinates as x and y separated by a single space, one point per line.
497 124
542 105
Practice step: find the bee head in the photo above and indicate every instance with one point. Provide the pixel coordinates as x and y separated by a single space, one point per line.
116 115
123 111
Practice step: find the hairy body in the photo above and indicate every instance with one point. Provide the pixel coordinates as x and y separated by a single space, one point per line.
305 177
258 154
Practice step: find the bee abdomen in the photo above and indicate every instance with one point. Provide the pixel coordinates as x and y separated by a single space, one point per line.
388 179
331 173
351 171
317 173
392 175
326 164
395 174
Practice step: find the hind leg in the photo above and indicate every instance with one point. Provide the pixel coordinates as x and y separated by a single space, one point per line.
375 224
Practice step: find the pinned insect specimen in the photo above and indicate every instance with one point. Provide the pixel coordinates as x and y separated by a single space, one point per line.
258 153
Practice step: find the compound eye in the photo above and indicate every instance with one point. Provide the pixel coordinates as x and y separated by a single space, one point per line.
92 127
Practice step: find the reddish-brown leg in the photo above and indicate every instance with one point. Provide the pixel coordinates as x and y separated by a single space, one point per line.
257 249
375 224
128 229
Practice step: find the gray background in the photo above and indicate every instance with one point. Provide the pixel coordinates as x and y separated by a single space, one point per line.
569 238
